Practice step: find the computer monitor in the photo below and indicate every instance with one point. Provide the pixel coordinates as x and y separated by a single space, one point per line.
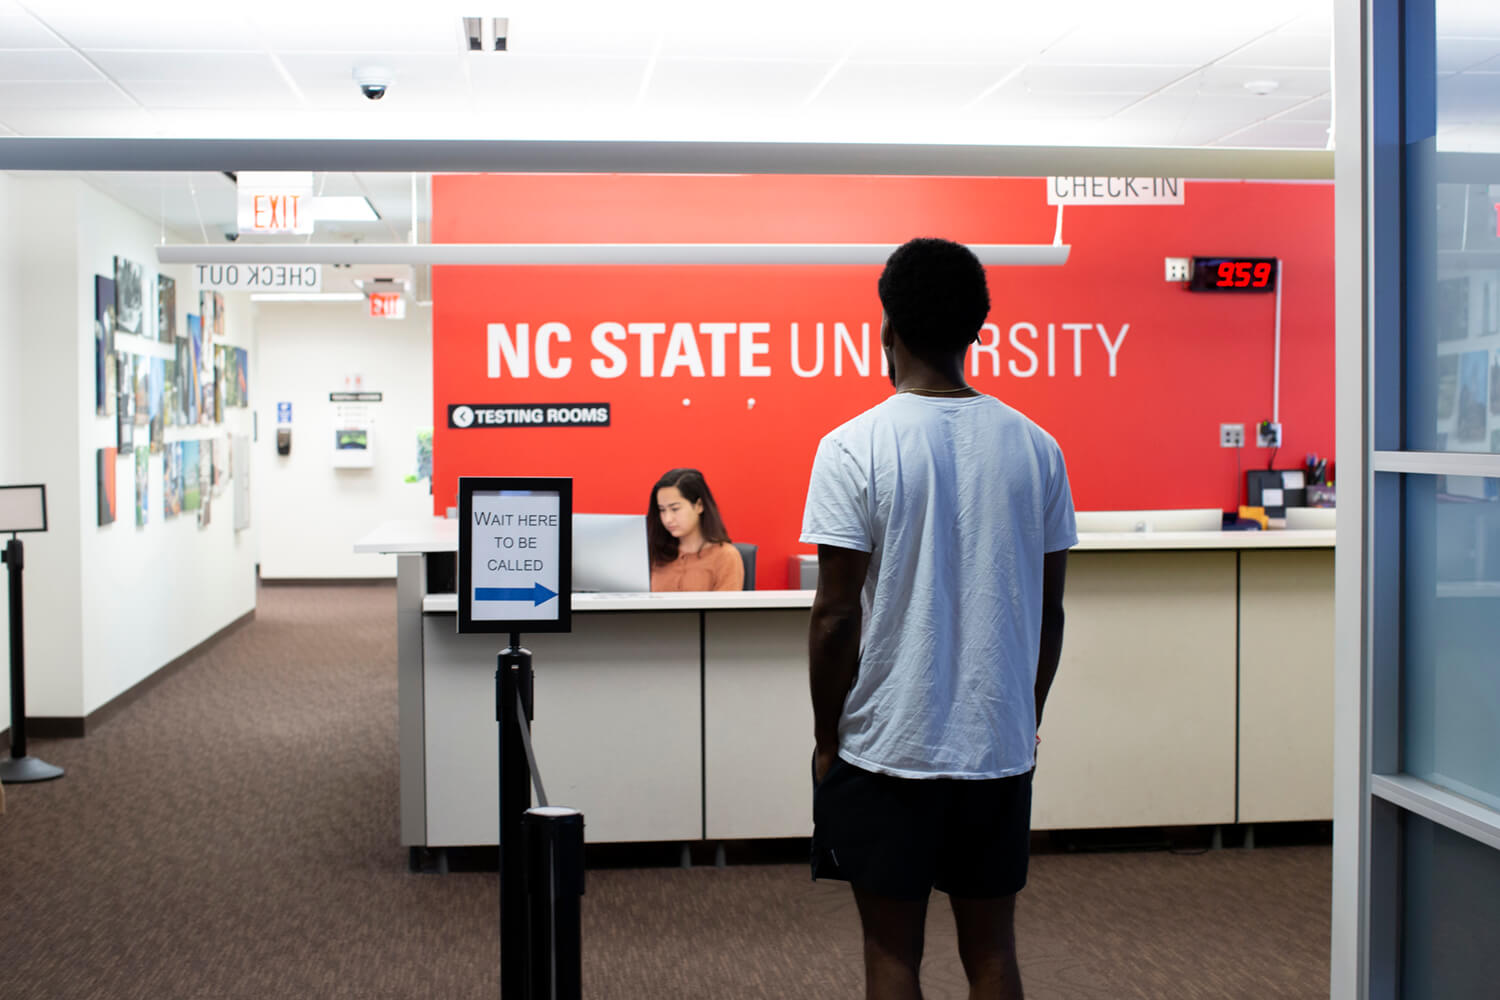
609 554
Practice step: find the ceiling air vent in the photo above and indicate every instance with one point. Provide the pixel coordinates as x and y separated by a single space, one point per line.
486 34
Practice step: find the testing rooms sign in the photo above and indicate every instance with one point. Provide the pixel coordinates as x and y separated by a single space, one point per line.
515 554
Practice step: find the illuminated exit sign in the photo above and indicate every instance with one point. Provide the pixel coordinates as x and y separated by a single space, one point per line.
274 202
387 305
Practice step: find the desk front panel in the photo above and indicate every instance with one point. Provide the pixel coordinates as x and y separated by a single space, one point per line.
617 732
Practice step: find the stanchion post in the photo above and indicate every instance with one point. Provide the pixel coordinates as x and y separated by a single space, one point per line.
20 768
15 562
554 885
512 676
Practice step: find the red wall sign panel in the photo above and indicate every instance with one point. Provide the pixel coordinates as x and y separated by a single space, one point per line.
740 370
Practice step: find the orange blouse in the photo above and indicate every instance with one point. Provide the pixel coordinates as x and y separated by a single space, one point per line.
713 567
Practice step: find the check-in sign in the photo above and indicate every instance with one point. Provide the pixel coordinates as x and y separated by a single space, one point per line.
515 554
1115 191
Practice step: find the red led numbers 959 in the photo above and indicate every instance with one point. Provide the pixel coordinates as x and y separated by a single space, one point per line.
1233 274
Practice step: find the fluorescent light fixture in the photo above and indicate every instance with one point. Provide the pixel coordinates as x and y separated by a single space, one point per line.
589 254
344 208
307 297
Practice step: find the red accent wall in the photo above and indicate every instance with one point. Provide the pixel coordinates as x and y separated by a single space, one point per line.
1144 436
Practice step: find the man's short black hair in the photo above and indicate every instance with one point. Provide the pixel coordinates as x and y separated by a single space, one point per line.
935 295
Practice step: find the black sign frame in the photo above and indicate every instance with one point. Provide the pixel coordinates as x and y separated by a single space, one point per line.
467 487
41 489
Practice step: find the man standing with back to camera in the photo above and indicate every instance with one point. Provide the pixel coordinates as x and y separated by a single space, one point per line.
942 519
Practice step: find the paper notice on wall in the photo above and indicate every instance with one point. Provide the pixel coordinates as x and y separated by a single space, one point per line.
1293 479
1272 498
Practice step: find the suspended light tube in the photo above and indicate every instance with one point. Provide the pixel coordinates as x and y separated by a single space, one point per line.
589 254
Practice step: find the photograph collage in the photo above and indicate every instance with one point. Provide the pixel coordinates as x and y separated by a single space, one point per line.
146 392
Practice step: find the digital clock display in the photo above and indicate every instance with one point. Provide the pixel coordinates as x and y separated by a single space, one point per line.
1233 274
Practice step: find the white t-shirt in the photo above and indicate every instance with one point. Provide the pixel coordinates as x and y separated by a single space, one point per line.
956 500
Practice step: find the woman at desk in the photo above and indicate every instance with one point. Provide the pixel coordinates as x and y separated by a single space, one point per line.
690 549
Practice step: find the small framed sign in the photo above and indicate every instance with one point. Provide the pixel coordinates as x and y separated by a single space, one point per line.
23 508
515 554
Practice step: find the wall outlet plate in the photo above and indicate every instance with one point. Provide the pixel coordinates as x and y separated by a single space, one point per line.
1231 435
1179 268
1268 434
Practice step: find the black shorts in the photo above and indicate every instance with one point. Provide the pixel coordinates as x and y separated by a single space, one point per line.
903 837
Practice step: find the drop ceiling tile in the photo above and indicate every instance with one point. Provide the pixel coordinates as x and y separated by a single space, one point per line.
1229 81
753 85
416 28
51 120
1312 51
759 38
1148 43
1468 17
1280 135
1469 97
248 69
170 25
1455 54
975 44
1015 100
1319 109
19 30
1315 19
558 32
907 87
554 81
46 65
1469 138
63 95
1061 79
419 80
1175 106
212 94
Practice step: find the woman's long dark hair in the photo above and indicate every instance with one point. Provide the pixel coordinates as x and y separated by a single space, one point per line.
691 484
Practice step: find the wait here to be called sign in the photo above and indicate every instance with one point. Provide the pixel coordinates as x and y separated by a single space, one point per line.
515 555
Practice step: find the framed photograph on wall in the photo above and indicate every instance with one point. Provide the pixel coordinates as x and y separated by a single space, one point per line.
192 493
104 345
130 297
166 309
142 484
171 480
106 462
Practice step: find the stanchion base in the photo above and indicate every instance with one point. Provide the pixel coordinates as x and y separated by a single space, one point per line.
19 771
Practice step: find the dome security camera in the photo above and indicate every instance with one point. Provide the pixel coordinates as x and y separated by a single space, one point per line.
373 81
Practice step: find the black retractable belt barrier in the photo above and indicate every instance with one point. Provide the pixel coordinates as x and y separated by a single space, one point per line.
513 685
554 884
20 768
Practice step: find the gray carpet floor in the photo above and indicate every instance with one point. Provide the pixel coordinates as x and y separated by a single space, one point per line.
232 833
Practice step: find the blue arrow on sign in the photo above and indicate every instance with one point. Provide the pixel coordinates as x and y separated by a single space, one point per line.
537 594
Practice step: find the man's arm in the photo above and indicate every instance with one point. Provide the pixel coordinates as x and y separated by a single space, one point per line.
833 644
1054 572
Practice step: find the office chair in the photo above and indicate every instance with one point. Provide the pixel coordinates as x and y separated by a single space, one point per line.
747 555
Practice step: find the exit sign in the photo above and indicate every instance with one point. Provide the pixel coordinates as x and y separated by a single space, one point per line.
387 305
274 202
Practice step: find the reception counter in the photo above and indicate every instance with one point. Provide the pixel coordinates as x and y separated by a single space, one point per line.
1196 687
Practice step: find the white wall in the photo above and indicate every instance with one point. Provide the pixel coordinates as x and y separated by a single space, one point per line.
10 396
43 438
105 606
169 584
310 513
